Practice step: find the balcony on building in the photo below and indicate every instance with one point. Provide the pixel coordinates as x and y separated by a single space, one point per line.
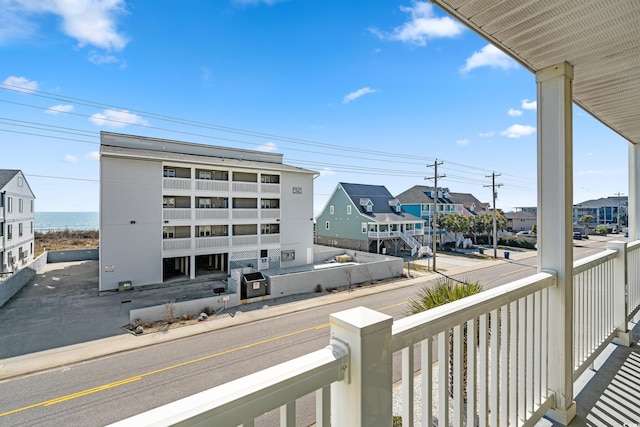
176 208
244 182
270 208
244 235
270 183
269 234
176 238
244 208
212 236
176 178
212 208
212 180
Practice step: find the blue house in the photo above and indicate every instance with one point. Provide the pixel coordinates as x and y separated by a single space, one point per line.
368 218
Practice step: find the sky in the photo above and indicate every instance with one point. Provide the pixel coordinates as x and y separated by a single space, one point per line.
360 91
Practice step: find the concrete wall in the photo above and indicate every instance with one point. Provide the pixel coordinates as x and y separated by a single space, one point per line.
192 308
12 285
130 222
74 255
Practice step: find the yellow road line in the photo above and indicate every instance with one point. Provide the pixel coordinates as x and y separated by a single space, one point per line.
517 271
157 371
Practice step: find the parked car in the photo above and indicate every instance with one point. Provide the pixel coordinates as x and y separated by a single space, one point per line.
526 233
577 235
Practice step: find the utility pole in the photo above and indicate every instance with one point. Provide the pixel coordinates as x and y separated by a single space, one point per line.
618 194
495 211
434 216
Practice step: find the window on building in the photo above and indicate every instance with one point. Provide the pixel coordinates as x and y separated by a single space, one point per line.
31 205
169 173
204 230
326 225
288 255
20 181
20 230
264 253
9 204
31 227
168 202
9 257
20 254
9 231
330 210
204 175
369 207
269 228
364 227
20 205
168 232
348 209
204 203
270 179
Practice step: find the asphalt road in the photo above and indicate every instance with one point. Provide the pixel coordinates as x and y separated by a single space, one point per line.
103 391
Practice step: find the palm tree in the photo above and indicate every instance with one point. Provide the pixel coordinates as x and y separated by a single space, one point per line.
476 227
443 291
585 220
456 223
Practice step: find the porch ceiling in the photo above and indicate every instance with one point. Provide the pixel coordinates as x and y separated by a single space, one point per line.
600 38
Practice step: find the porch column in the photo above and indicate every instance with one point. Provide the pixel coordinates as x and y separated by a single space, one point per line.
555 226
633 210
364 397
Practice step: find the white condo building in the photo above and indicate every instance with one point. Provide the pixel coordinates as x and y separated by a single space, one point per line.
175 210
16 220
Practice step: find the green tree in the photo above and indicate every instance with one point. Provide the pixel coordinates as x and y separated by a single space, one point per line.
439 292
476 227
456 223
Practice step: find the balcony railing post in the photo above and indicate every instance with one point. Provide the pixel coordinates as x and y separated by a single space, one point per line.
620 307
364 397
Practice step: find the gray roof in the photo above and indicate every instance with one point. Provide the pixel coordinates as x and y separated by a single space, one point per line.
419 194
382 211
7 175
604 202
520 215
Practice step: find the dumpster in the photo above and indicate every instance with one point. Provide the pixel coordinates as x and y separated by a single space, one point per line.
253 285
506 255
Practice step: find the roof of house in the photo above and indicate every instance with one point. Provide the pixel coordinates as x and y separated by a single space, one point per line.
520 215
420 194
604 202
7 175
382 210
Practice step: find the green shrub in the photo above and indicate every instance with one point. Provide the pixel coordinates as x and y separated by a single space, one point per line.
602 230
517 242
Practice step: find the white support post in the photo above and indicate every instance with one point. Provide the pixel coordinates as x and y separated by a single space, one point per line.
633 208
620 308
555 227
364 397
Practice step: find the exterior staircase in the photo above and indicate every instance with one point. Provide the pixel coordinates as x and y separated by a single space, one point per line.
416 247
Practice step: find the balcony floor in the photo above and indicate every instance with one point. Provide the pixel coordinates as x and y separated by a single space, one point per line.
610 395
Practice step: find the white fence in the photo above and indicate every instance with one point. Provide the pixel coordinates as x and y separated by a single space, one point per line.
498 337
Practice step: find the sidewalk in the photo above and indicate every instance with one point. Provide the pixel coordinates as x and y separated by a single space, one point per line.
50 318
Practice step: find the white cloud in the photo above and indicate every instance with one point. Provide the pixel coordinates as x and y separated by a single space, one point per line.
462 142
518 131
489 56
117 119
101 58
327 172
423 25
514 113
268 147
57 109
90 22
94 155
487 134
20 84
357 94
529 105
70 159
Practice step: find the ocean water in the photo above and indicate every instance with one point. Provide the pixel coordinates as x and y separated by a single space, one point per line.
56 221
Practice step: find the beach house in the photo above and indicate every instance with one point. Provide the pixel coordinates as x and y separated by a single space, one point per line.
16 220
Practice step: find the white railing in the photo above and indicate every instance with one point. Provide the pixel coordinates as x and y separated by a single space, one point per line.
212 185
593 293
176 183
270 188
633 278
270 238
239 402
506 374
176 213
237 213
212 213
383 234
270 213
244 187
176 244
244 240
499 337
212 242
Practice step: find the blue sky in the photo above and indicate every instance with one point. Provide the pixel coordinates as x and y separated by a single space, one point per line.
361 91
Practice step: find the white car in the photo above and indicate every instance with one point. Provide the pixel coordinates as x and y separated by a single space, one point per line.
524 234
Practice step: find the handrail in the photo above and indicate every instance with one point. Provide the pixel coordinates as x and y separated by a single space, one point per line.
418 327
593 261
244 399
